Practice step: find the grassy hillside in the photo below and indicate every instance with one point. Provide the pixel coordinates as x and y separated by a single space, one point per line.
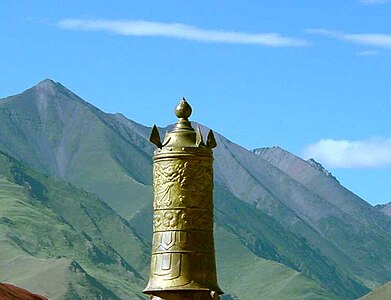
345 234
266 238
359 222
59 241
98 255
54 131
243 275
261 236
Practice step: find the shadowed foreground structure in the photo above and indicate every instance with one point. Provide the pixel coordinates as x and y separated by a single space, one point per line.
183 263
11 292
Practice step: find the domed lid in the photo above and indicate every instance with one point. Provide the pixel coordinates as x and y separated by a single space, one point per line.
183 134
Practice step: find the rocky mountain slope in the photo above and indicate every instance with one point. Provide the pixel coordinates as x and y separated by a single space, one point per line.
60 241
269 203
385 208
347 221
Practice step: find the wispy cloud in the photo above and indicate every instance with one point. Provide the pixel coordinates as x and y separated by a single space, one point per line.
369 39
370 2
181 31
368 53
351 154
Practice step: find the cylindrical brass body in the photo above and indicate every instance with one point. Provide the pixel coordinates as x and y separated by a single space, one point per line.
183 257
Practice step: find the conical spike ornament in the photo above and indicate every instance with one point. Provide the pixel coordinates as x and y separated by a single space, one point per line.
183 257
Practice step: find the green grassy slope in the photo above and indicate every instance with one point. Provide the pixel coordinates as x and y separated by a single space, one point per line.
266 238
91 260
76 253
261 236
361 221
243 275
54 131
56 278
29 235
346 234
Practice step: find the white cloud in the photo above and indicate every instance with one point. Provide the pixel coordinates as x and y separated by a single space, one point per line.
351 154
368 53
369 39
369 2
182 31
373 39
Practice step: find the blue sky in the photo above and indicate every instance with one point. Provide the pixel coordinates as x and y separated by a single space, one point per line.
313 77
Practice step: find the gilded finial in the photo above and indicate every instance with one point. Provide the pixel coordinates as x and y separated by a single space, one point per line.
211 141
155 137
183 109
199 139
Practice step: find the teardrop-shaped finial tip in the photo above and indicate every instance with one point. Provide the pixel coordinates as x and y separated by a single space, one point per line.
183 109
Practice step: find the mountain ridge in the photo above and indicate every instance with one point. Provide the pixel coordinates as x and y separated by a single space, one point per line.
54 227
385 208
295 218
64 262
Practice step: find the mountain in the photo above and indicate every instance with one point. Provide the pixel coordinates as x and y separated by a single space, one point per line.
247 276
351 225
82 262
62 242
385 208
280 213
53 130
311 205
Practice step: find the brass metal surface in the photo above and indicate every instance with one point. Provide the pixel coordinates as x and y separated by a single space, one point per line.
183 257
183 295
